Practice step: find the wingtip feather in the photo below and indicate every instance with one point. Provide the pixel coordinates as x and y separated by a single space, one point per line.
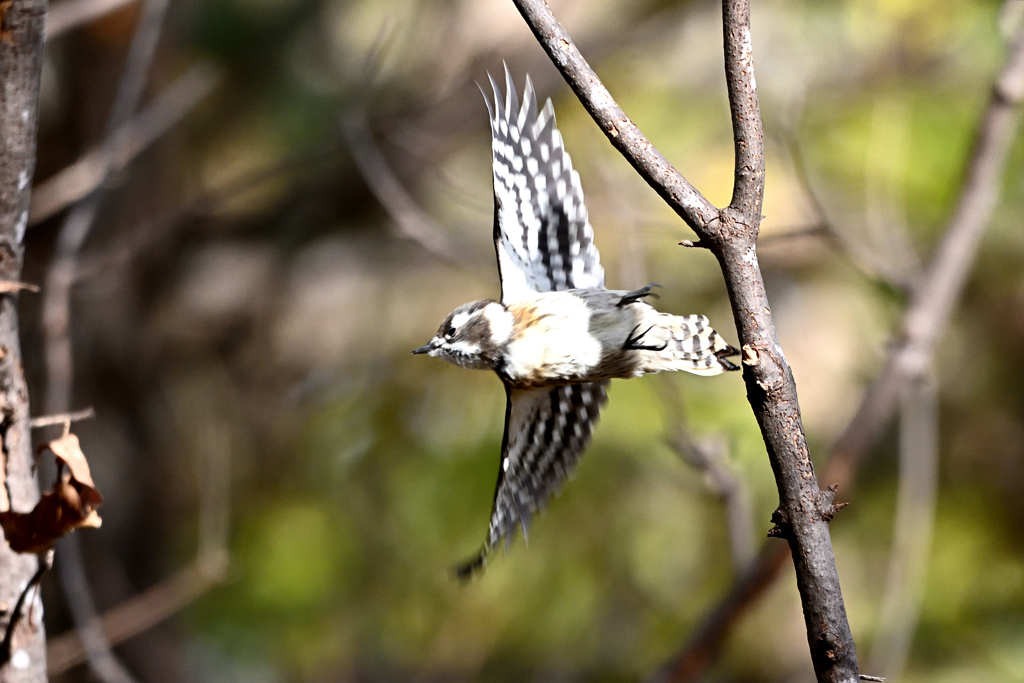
466 571
528 112
511 97
497 115
487 101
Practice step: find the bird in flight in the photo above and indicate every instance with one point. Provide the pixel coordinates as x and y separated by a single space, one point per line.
557 336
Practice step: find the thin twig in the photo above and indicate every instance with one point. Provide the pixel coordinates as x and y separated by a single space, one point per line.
67 15
208 435
56 325
7 286
783 235
152 232
864 256
63 418
45 562
923 323
75 584
912 527
885 202
411 222
710 456
84 176
136 614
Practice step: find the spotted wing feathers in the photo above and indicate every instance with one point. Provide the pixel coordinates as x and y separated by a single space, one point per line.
546 431
542 235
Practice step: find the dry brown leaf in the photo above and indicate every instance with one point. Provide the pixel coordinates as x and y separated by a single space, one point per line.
69 451
7 286
70 504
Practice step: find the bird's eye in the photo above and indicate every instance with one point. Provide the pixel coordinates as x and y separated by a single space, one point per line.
450 332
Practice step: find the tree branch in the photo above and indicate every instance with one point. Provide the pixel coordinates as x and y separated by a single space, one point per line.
21 62
912 527
863 254
410 221
137 614
922 325
748 138
83 177
931 307
804 510
62 419
207 435
710 456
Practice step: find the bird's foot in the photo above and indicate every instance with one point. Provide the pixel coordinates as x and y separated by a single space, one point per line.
723 356
638 294
632 342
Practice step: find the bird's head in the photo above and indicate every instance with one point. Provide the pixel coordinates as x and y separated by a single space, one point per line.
472 335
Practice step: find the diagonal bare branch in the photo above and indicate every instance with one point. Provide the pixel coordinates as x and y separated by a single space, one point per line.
710 456
411 222
136 614
209 435
85 176
935 297
864 256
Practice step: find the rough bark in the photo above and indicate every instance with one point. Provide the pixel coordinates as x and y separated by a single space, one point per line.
731 233
21 58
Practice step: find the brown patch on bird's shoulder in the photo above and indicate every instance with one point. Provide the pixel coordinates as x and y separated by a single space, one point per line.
524 316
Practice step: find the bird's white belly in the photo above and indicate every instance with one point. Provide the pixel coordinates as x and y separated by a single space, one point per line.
556 340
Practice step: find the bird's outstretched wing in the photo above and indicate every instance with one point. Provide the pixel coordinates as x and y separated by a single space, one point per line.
546 430
542 236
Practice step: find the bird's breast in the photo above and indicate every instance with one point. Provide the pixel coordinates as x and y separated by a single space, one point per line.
558 338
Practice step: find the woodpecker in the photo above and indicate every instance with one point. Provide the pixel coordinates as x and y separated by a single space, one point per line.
557 336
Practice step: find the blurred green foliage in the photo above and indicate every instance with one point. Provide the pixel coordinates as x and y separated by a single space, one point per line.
361 475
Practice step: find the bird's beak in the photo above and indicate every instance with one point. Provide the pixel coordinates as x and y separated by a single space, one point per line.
426 348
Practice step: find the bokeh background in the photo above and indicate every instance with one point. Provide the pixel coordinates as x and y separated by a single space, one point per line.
246 304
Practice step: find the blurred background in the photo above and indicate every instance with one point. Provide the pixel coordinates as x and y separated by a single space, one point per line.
305 192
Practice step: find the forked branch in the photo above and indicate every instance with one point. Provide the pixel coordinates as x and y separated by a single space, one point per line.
730 233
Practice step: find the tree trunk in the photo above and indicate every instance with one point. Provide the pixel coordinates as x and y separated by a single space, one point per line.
21 60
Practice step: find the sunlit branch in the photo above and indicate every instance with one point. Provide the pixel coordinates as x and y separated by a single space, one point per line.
804 509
